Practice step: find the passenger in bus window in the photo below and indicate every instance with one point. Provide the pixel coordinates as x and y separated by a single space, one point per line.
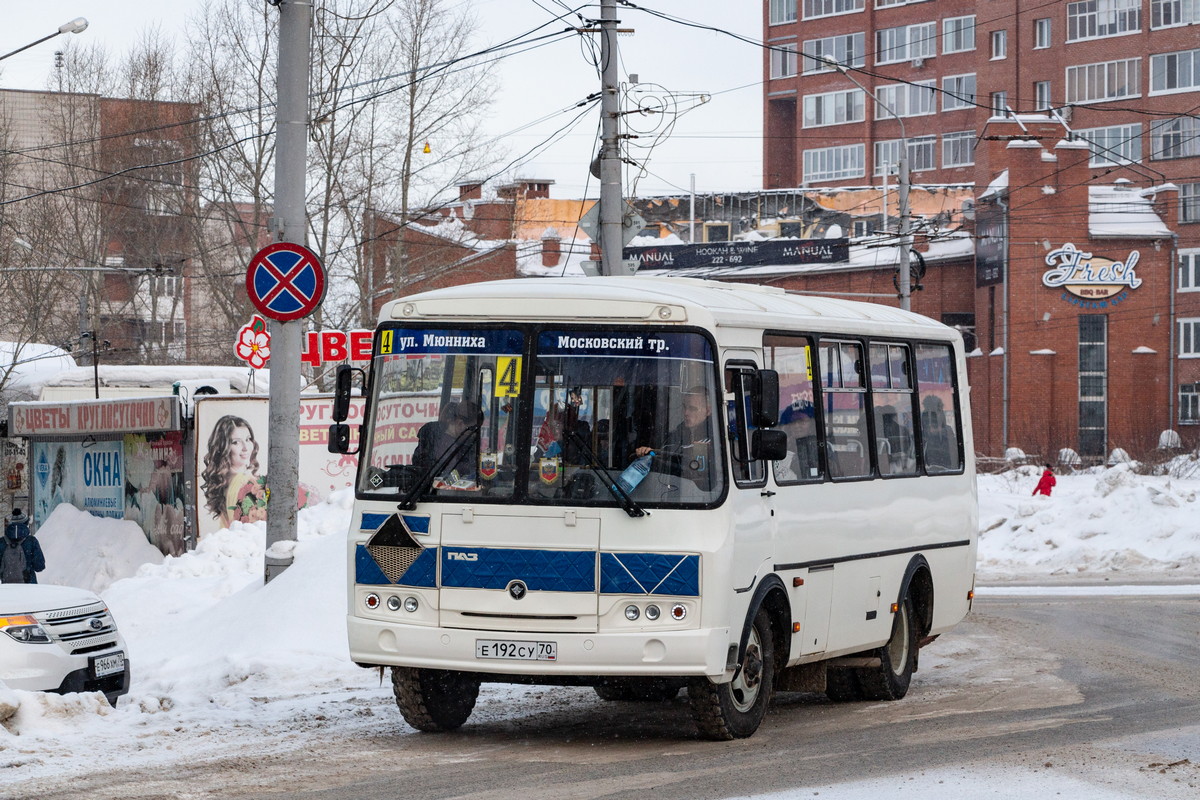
689 447
939 438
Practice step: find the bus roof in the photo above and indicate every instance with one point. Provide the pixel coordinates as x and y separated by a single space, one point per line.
653 300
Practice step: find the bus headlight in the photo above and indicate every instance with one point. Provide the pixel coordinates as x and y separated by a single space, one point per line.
631 613
410 604
394 603
371 601
652 612
678 611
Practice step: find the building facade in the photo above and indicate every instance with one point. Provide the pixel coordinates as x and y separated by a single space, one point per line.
1066 118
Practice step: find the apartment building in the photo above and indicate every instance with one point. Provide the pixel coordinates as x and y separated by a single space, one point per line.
1075 122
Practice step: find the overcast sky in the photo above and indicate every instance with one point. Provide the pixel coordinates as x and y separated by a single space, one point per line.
719 141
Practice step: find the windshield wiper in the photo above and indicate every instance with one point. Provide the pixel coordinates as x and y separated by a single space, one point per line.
629 505
409 501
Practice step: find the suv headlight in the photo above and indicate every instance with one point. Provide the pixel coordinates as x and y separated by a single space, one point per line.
24 629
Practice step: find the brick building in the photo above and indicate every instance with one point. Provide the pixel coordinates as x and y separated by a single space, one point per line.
1064 116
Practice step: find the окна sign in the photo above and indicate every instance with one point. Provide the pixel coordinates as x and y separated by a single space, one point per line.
1091 278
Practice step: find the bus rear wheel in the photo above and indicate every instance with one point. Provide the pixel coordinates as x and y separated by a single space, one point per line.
734 710
433 699
897 659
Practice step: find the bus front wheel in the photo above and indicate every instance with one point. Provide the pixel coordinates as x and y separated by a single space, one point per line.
897 659
734 710
433 699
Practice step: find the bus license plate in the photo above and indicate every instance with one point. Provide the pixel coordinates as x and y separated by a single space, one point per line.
516 651
108 665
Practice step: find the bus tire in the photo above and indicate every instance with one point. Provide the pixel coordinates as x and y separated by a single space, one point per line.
433 699
897 659
638 690
734 710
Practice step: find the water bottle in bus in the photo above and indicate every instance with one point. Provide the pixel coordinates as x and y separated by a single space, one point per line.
635 472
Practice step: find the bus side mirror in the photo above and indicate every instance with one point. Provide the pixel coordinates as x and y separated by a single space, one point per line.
342 389
765 399
768 445
339 438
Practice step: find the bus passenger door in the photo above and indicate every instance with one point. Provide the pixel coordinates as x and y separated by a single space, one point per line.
754 505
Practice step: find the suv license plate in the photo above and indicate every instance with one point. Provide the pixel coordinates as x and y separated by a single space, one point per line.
108 665
516 651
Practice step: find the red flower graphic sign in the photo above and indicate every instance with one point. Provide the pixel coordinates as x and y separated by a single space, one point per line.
254 343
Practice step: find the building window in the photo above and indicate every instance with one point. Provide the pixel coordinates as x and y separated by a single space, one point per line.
1107 80
1168 13
821 54
1041 95
829 8
1189 404
999 45
958 149
1175 72
1041 33
834 163
906 43
1189 270
999 104
783 11
1117 144
716 232
862 227
958 34
783 60
906 100
1189 337
922 154
1093 380
1094 19
1189 202
958 91
1174 138
833 108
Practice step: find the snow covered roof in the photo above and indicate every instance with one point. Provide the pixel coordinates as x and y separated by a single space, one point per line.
1121 211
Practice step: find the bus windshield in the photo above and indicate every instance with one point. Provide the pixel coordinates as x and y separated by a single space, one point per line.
459 414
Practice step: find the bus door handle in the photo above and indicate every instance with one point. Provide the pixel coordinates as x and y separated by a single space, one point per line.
766 493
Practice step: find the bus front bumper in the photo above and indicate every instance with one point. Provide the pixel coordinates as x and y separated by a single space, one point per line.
650 653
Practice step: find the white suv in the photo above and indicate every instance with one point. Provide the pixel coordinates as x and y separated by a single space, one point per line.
60 639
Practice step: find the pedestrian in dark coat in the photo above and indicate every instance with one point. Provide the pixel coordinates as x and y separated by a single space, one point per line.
1046 483
20 553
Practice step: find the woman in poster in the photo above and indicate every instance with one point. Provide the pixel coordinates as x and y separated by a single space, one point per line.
232 487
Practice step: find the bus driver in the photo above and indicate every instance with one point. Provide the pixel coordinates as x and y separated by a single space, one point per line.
690 446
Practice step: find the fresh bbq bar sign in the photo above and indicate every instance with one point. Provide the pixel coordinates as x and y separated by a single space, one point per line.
740 254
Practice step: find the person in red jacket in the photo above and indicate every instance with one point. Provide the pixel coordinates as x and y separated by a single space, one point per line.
1046 483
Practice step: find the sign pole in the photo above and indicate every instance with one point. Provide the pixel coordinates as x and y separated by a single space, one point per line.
289 225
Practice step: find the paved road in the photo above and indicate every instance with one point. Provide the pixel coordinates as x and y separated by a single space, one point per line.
1105 689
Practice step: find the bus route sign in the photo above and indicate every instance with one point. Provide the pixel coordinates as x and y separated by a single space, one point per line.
285 281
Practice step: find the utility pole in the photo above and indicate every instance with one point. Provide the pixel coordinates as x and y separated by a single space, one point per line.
612 201
290 224
905 281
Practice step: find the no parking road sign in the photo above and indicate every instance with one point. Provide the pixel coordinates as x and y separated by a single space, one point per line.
285 281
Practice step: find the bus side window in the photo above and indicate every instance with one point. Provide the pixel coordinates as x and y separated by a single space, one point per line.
739 380
792 358
941 445
892 409
844 408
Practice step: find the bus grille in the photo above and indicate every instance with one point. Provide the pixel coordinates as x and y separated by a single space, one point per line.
394 561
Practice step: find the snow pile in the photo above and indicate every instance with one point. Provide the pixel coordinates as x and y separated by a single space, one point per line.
1097 524
92 552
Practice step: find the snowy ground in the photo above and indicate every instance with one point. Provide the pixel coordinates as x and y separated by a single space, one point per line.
222 663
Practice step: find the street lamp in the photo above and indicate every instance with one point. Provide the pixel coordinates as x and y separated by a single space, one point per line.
77 25
905 282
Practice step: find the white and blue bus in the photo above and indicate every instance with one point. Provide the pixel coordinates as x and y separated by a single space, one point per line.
807 520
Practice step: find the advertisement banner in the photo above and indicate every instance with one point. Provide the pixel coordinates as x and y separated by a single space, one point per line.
88 475
154 489
231 457
771 253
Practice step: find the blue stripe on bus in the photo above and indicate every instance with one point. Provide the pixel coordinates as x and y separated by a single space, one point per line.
366 571
650 573
539 570
373 522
